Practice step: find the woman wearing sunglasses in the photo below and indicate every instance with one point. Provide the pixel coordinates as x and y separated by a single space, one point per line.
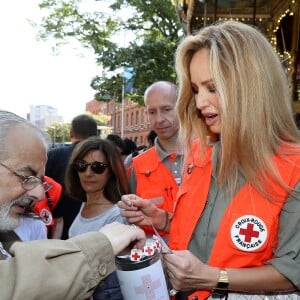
96 176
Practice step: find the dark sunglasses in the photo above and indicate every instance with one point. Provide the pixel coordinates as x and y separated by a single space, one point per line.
96 166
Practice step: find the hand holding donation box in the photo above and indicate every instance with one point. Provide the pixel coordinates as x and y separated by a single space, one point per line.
141 274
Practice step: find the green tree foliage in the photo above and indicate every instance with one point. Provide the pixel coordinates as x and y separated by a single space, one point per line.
156 30
59 132
101 119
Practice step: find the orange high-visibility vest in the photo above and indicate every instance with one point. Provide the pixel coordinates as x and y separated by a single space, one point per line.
154 182
43 208
249 227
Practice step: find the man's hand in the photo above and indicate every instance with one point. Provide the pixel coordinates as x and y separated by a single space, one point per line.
121 236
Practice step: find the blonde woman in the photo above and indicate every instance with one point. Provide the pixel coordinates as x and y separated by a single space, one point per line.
236 226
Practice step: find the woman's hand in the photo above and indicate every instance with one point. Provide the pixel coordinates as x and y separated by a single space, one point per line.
141 211
187 272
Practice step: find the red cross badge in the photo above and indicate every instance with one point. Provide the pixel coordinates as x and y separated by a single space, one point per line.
148 250
157 243
249 233
136 254
46 216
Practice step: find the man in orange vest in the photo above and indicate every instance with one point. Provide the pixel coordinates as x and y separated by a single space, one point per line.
156 173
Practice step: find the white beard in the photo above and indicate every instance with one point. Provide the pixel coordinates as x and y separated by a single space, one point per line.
8 222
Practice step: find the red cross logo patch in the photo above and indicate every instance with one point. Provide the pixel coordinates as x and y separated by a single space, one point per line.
249 233
46 216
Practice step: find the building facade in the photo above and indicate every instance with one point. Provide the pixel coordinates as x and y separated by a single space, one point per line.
44 115
130 122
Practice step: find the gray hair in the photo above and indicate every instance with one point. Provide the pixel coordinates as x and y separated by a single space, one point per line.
8 119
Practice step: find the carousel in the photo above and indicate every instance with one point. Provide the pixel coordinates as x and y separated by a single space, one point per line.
279 20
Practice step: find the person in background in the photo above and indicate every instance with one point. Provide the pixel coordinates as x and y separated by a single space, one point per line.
118 141
129 147
82 127
151 138
140 149
156 173
97 178
235 231
46 269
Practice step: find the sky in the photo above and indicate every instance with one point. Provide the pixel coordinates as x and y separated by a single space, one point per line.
30 74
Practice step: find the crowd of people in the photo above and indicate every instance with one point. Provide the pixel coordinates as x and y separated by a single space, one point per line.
219 181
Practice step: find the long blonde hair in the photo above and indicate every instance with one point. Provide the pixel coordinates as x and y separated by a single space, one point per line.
256 107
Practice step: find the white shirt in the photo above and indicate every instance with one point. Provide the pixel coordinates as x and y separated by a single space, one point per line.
31 229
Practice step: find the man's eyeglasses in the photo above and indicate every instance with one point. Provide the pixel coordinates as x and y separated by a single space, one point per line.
29 182
96 166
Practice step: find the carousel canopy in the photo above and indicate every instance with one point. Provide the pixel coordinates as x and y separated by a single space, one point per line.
265 14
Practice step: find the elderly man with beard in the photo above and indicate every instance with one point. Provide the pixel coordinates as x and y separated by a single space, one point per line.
58 269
